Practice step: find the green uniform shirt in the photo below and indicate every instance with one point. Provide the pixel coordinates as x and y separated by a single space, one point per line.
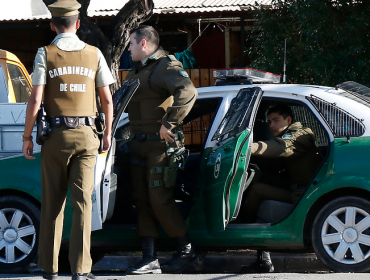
165 95
297 147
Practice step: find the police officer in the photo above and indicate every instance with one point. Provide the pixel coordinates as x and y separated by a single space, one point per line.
65 76
295 145
163 99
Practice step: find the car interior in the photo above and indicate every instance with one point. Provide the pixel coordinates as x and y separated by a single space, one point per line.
196 128
272 211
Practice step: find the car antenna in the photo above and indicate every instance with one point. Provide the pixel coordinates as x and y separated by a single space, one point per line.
284 76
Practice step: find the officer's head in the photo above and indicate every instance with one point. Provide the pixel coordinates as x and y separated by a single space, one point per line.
64 16
144 40
279 118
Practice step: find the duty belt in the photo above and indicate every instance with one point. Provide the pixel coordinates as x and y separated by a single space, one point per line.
147 137
71 122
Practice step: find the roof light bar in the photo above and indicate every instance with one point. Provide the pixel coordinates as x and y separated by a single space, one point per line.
257 76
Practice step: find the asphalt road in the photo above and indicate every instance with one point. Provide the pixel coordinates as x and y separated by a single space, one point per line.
272 276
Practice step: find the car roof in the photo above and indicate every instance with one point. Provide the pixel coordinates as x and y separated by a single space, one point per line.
298 92
8 55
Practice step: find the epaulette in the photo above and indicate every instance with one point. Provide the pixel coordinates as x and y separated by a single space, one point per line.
172 57
153 56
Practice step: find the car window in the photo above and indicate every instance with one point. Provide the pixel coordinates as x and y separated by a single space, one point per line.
304 115
341 123
356 92
22 89
199 121
3 87
238 117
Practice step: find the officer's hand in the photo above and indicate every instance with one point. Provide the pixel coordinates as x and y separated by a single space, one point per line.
107 141
166 134
28 149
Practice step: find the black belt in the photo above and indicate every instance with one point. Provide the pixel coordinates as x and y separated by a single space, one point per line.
71 122
147 137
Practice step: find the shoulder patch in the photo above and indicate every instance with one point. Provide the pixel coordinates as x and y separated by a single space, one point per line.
287 136
184 73
172 57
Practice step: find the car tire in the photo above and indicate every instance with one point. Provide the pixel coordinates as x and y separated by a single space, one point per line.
19 233
341 234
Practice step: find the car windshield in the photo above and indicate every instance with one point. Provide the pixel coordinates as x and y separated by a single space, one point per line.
356 92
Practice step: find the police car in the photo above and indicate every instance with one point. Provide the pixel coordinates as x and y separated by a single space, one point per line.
331 218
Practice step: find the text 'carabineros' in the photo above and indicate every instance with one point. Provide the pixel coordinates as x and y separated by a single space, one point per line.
72 70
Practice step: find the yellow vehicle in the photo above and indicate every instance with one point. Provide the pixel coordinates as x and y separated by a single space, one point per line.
15 89
15 83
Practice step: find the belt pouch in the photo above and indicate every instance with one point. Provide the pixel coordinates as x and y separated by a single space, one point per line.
71 122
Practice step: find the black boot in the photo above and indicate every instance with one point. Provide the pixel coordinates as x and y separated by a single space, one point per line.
149 262
262 264
183 258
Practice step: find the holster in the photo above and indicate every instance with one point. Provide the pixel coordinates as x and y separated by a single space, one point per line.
176 160
43 126
99 130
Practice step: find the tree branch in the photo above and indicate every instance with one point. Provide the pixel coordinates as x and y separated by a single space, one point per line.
115 41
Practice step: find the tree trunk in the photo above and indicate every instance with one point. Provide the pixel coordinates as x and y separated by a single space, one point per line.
113 43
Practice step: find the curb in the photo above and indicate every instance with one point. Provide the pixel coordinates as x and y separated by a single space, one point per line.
228 263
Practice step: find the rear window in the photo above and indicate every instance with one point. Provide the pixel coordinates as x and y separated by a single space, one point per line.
341 123
356 92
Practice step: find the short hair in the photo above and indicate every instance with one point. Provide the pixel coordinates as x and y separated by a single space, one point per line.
65 21
282 110
146 32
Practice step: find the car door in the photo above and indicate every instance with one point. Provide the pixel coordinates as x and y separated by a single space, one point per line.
226 171
105 181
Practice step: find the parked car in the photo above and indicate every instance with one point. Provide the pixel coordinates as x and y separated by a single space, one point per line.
15 88
331 218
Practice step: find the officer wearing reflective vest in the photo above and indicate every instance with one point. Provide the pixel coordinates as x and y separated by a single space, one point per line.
65 76
156 111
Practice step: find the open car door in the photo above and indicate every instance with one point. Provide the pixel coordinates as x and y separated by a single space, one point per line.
226 172
105 181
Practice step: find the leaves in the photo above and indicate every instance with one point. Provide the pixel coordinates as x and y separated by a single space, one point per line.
327 40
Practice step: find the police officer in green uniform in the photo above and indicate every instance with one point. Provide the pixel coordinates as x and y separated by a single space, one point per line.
163 99
65 76
295 146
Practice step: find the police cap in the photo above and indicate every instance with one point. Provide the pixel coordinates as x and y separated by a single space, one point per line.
64 8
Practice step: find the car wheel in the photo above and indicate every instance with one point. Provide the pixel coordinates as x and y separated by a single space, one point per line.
19 231
341 234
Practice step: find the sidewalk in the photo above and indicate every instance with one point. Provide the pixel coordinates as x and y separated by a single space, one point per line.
227 262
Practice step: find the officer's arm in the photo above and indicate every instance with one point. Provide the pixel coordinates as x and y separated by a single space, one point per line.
31 115
271 148
178 85
107 108
283 147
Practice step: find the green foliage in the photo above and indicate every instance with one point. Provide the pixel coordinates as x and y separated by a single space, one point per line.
328 41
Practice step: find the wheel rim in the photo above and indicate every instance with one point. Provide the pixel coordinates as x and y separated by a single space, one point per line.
17 235
346 235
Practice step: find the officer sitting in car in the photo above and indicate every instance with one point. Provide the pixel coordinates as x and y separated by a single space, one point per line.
297 155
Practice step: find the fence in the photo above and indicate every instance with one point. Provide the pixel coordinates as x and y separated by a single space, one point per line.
200 77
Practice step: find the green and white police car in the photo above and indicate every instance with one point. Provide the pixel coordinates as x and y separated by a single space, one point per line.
331 218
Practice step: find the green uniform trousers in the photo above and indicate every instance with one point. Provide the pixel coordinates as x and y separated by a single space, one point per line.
153 204
259 192
67 158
